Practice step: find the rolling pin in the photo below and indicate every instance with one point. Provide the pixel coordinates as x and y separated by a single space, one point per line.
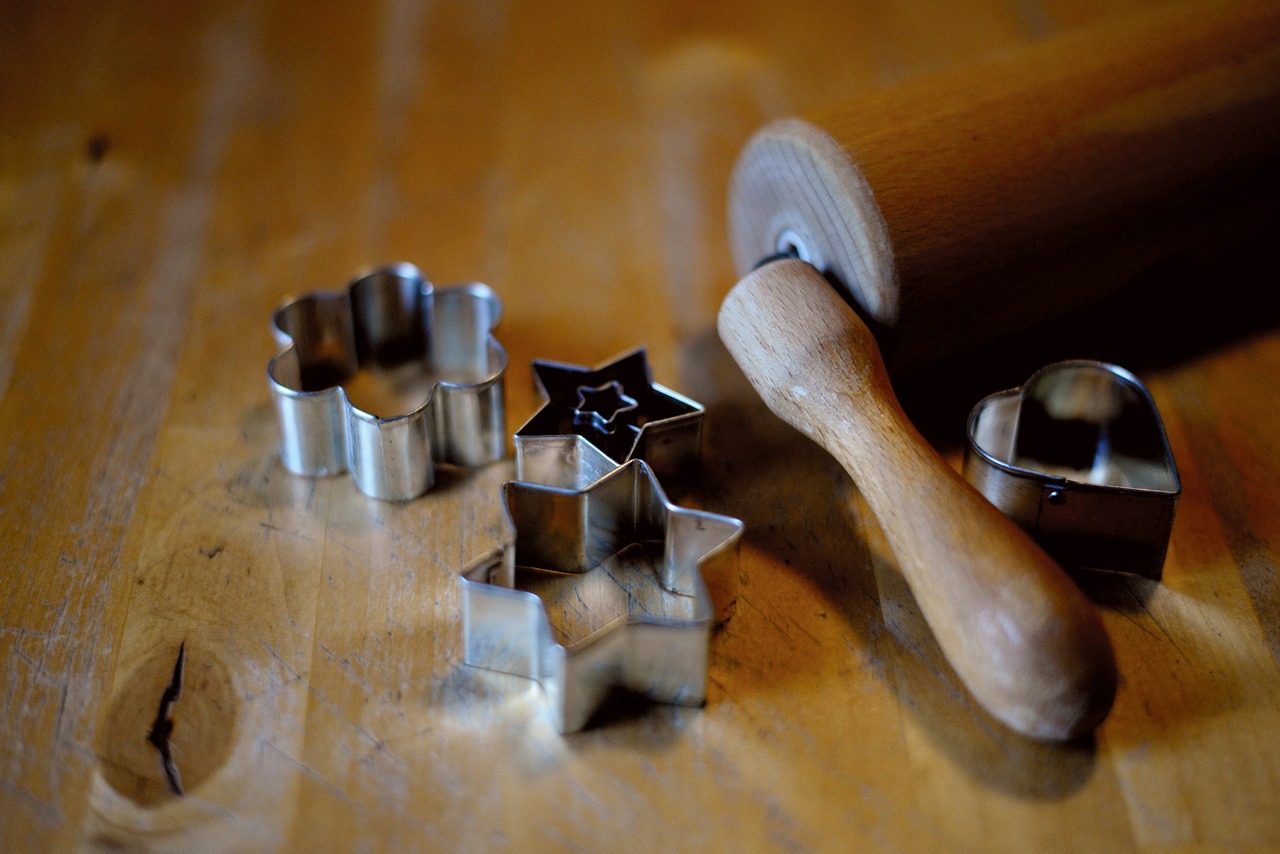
952 210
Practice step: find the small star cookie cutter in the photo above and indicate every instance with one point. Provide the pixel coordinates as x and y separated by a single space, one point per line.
584 556
595 419
388 378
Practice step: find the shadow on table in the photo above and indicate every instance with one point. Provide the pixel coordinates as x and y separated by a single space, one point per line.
1175 313
800 508
797 507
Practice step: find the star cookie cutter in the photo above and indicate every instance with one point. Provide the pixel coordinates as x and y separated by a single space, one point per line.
1078 457
595 419
388 378
585 555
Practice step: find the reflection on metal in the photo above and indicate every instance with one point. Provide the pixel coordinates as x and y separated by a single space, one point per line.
592 590
388 378
595 419
1079 458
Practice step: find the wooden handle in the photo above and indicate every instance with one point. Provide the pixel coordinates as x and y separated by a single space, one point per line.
961 207
1022 637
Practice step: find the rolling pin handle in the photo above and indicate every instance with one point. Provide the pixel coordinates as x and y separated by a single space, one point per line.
1022 637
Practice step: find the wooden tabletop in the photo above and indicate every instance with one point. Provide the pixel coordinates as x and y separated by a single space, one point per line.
169 174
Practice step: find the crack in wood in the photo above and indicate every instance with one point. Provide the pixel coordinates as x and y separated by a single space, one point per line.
162 727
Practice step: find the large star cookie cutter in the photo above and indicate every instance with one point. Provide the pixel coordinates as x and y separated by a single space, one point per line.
388 378
595 419
631 580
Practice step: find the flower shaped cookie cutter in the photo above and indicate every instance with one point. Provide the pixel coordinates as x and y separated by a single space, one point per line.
388 378
629 577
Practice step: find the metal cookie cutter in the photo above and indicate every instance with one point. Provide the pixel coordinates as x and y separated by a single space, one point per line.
595 419
626 579
1079 458
388 378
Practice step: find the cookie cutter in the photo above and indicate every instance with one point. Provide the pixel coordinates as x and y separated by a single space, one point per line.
388 378
1078 457
636 576
595 419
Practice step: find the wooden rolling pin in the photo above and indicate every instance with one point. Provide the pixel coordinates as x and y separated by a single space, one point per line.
957 208
952 210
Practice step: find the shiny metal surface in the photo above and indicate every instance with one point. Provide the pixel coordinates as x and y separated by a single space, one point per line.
595 419
609 587
388 378
1079 458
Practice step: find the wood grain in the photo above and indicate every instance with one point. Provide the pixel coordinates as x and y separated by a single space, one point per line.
167 178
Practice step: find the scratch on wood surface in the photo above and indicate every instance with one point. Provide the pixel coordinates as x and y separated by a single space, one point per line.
280 660
311 773
347 667
748 662
376 745
781 630
289 532
1140 601
379 745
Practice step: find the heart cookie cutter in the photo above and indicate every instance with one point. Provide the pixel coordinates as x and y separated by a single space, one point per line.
631 572
387 378
1078 457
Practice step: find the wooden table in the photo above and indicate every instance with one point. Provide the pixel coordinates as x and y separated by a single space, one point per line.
169 174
